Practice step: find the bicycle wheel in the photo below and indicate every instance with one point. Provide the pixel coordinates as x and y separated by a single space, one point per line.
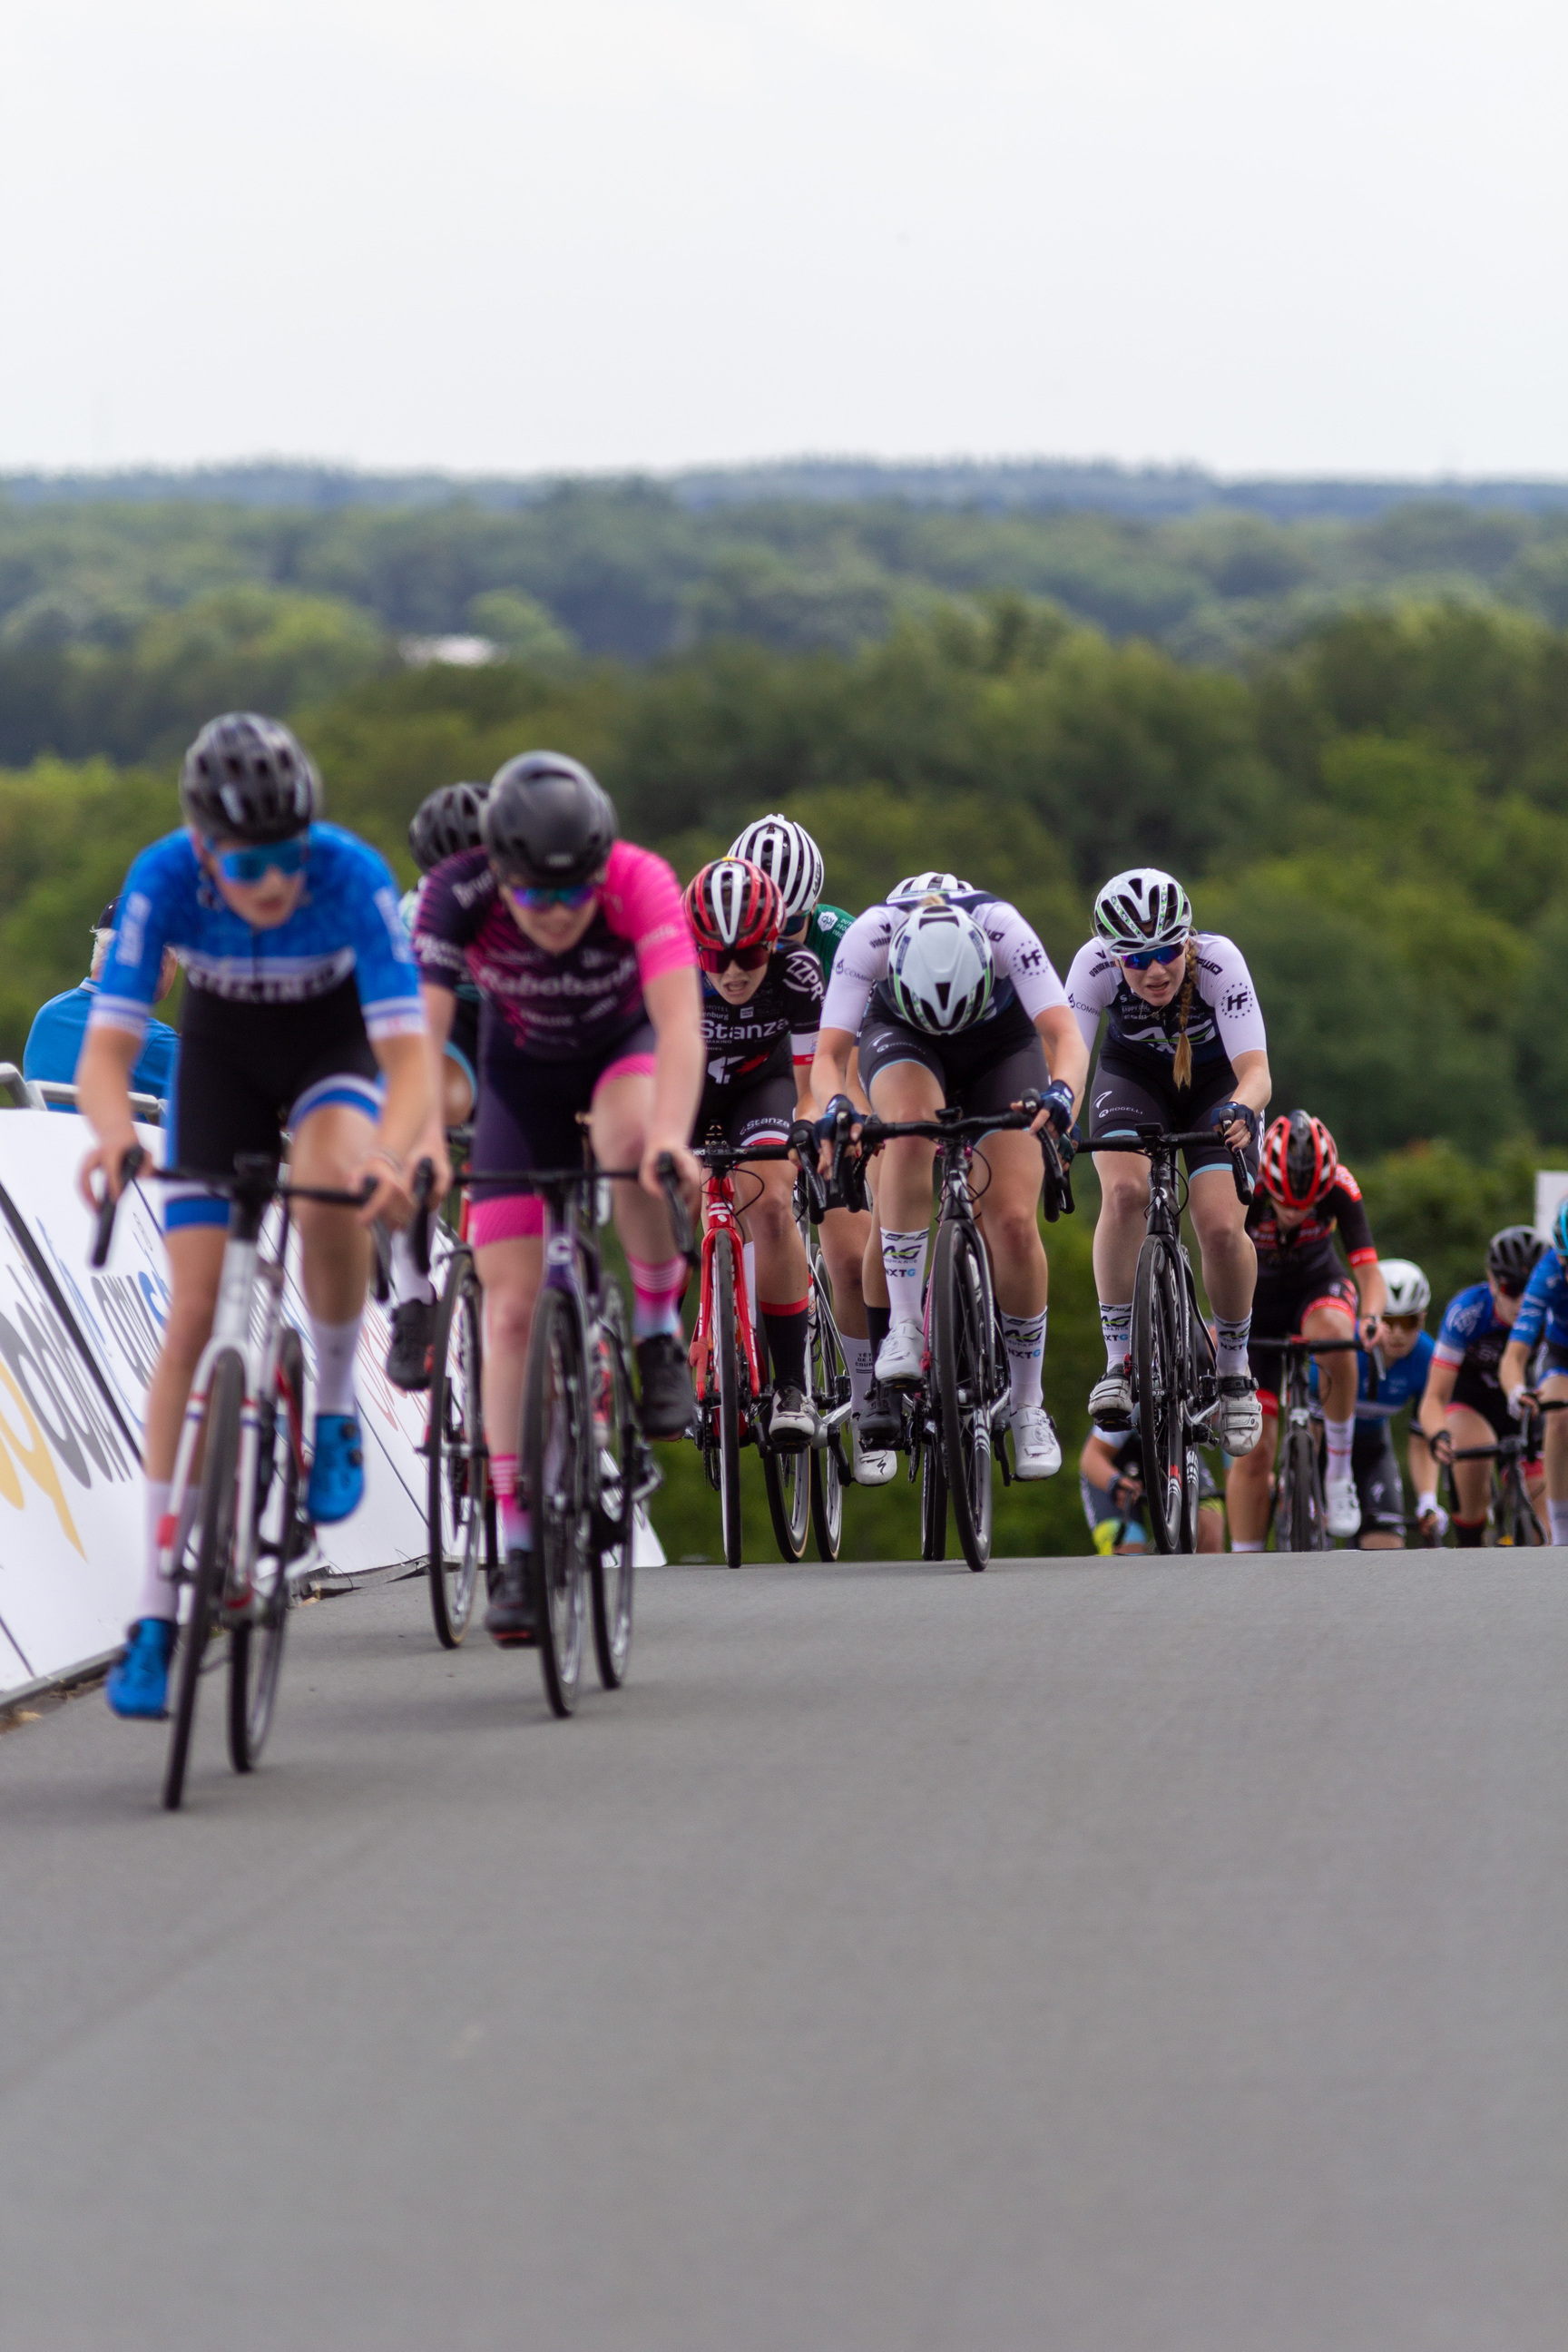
829 1388
1300 1520
256 1647
454 1450
933 1500
1159 1366
211 1540
621 1462
557 1431
964 1374
1517 1517
728 1382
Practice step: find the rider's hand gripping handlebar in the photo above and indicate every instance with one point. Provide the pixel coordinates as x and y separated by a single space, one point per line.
680 1222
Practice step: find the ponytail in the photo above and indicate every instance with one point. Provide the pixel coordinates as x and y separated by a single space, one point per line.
1182 1071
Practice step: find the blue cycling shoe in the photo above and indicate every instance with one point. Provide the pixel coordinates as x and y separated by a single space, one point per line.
337 1469
138 1684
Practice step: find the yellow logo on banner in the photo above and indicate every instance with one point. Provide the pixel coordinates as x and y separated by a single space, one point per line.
35 1460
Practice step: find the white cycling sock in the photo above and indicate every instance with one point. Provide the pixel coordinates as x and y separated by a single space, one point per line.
1230 1344
1025 1341
1339 1434
160 1597
904 1263
1116 1329
407 1282
1245 1547
860 1358
1558 1515
335 1345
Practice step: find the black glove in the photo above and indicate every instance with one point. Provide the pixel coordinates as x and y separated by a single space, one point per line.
1230 1111
827 1125
1057 1104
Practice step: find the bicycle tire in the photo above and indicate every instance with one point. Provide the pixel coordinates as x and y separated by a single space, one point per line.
933 1501
1159 1369
256 1648
964 1375
213 1536
1522 1528
829 1376
727 1400
618 1434
556 1432
455 1518
1300 1516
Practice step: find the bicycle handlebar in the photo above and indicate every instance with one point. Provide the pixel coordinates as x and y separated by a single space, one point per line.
1149 1139
130 1167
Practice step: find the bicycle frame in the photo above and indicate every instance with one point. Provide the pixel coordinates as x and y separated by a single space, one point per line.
721 1228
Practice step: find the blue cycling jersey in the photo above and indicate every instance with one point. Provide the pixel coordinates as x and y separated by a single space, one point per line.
53 1045
1543 1310
1398 1384
347 922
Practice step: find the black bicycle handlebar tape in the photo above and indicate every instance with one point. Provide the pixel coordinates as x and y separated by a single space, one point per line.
680 1222
130 1166
1243 1176
419 1231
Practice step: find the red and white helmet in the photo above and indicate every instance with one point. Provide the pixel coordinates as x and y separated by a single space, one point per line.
733 904
1300 1160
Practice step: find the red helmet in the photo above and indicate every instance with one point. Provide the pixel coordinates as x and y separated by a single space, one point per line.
1299 1162
732 906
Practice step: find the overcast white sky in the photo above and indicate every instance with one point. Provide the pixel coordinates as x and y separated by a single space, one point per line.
498 234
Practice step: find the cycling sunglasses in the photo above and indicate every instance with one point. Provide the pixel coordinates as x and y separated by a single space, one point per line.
247 866
1403 1322
752 959
533 900
1144 957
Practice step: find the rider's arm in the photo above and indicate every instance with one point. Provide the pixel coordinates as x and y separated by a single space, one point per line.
1098 1464
830 1068
103 1097
440 1010
1067 1055
1435 1397
674 1006
406 1112
1513 1372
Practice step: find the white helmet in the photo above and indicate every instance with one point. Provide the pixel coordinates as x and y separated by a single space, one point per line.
1141 909
916 886
1409 1292
788 856
941 972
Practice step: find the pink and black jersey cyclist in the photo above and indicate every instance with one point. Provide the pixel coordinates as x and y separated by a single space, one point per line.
587 980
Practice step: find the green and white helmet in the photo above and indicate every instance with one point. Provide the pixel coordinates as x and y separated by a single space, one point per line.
1141 909
1409 1292
941 972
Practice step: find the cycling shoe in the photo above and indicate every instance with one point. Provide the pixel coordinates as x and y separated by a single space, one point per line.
138 1684
337 1469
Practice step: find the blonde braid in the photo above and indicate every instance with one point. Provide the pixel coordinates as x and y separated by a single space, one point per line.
1183 1070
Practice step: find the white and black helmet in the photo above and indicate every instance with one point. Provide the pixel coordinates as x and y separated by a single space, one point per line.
1409 1292
916 886
1141 909
788 856
941 972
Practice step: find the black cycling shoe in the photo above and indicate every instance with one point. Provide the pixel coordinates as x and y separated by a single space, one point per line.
668 1399
509 1619
882 1421
409 1358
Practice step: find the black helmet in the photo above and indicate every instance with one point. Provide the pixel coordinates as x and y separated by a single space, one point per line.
446 822
1512 1256
547 821
246 779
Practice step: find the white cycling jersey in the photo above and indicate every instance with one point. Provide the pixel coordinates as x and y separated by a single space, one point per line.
1023 967
1222 1020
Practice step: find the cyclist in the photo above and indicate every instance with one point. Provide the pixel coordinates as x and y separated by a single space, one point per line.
445 822
1464 1402
1401 1363
1305 1195
54 1040
1110 1480
762 1003
1184 1048
955 1000
586 972
787 852
301 1013
1543 1322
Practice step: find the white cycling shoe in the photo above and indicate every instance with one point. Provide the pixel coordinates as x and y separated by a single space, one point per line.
1238 1417
869 1465
1036 1449
1110 1401
901 1355
1342 1508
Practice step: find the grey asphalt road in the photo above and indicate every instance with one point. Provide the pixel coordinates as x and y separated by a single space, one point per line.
1094 1957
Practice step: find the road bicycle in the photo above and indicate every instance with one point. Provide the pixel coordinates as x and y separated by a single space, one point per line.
236 1528
733 1393
1512 1512
1174 1376
827 1370
963 1397
1298 1511
459 1510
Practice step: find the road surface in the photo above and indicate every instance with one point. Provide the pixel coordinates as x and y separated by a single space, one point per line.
1088 1956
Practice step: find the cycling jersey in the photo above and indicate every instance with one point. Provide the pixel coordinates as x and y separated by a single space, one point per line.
826 928
346 924
555 1008
1543 1310
783 1013
54 1040
1025 973
1223 1018
1295 1251
1398 1384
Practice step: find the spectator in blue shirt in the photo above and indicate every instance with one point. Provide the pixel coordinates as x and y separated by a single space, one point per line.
54 1039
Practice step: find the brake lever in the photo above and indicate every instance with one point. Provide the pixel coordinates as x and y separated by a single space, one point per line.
130 1167
419 1231
685 1245
1242 1174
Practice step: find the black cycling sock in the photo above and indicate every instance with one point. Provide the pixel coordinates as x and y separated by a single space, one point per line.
1469 1531
879 1323
786 1327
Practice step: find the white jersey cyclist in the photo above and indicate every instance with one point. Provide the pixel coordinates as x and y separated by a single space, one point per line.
1223 1018
1026 975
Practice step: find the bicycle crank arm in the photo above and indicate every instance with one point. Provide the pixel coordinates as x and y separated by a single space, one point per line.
836 1419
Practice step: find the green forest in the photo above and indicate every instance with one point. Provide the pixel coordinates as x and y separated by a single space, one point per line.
1369 794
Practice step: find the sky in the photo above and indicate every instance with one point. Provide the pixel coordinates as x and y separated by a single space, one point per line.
496 236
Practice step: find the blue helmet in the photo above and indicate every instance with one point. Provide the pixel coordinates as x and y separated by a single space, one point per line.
1560 1229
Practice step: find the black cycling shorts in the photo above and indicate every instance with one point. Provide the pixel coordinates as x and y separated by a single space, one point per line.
528 1118
246 1073
1128 1093
986 1068
759 1110
1486 1398
1376 1469
1279 1305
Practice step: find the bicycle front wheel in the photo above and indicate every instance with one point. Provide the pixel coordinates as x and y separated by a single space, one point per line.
964 1373
621 1457
1300 1521
1517 1517
830 1388
255 1647
726 1368
455 1445
933 1500
212 1542
557 1431
1159 1366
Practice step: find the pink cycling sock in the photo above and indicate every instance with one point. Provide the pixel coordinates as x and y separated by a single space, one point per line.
656 1294
516 1519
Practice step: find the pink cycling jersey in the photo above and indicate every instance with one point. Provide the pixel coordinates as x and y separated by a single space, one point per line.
555 1007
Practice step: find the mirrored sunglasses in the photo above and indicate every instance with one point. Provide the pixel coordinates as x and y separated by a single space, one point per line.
533 901
1144 957
247 866
752 959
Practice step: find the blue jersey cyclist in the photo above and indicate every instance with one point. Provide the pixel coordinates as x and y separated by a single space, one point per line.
301 1014
1464 1403
1392 1376
1543 1322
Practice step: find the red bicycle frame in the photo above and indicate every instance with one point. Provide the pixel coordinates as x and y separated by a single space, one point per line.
721 1228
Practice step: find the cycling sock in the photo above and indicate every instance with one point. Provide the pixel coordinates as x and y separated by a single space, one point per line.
160 1597
1230 1340
335 1345
1558 1515
904 1263
860 1358
656 1294
1245 1547
516 1519
1116 1329
785 1328
1024 1335
407 1282
1338 1435
879 1323
1470 1531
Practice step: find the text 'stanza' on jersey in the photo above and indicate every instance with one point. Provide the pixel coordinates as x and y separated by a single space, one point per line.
347 922
743 1038
1224 1018
1024 972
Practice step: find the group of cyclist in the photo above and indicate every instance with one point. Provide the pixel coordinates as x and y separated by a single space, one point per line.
548 977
